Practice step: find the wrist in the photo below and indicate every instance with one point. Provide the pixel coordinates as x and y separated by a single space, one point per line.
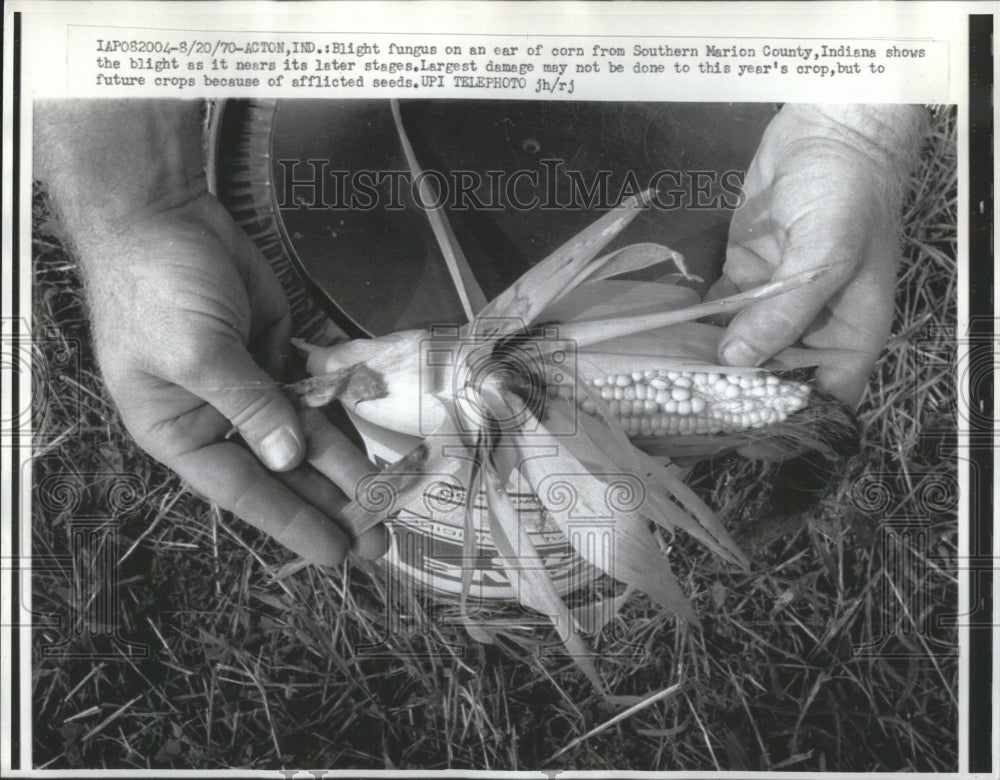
882 141
110 164
894 132
890 135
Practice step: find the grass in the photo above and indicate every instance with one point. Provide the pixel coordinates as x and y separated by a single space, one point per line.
827 655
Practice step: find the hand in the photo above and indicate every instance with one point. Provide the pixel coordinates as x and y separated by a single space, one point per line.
191 325
824 189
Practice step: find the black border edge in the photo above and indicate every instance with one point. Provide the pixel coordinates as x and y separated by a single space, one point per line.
981 345
15 448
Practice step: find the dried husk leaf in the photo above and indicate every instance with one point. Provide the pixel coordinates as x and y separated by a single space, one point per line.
534 585
521 303
632 547
632 258
606 298
594 331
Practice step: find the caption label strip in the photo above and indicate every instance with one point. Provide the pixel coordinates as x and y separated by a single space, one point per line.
117 61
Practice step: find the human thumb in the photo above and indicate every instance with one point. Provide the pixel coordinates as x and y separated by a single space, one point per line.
765 328
250 399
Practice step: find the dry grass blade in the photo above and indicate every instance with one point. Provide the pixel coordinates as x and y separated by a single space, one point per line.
111 718
628 713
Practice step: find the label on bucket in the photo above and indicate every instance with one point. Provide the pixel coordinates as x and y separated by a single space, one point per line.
427 543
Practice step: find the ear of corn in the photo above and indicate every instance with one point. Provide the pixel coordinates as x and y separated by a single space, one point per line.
677 400
679 403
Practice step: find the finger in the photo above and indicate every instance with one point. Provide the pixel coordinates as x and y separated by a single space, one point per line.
751 263
271 347
267 297
231 477
312 486
847 378
334 455
271 327
271 320
722 288
765 328
755 238
861 319
319 491
250 399
264 291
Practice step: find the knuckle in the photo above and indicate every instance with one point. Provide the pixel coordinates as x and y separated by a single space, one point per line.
255 407
147 441
186 371
250 500
188 362
281 530
161 445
